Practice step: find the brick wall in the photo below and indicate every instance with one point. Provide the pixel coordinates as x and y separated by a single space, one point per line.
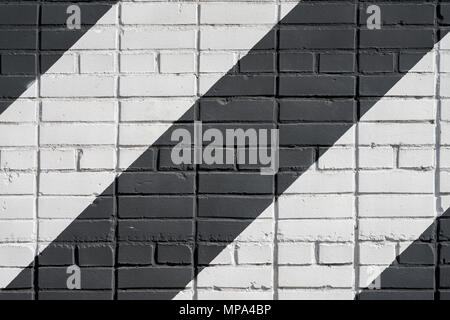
362 123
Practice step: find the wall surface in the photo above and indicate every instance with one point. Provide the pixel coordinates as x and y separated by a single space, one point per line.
87 178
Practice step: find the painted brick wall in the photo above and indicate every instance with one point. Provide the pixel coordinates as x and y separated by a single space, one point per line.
363 137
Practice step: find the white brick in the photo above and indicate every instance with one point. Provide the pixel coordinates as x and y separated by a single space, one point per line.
323 182
137 63
414 85
445 133
86 111
377 253
445 91
158 39
216 61
315 276
445 181
18 159
258 231
97 159
225 257
368 274
231 38
316 230
445 109
177 63
64 64
416 158
388 109
49 230
337 158
295 253
392 229
17 135
17 207
16 255
396 205
157 85
235 277
445 157
159 13
127 156
298 207
234 295
78 134
398 133
56 207
376 157
154 109
238 13
76 183
254 253
316 294
335 253
17 183
16 231
51 159
96 63
20 111
396 181
141 134
77 86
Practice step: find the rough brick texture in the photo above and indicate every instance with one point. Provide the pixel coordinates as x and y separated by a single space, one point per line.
87 177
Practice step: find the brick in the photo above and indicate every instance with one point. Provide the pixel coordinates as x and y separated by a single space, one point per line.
337 63
335 254
315 276
315 230
154 277
238 13
295 253
159 13
235 277
174 254
57 159
148 230
96 255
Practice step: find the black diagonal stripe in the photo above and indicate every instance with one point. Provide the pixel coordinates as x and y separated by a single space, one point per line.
33 36
158 224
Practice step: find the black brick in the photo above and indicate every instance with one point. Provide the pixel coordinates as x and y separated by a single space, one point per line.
317 38
151 230
96 255
156 183
135 253
316 110
174 254
320 85
156 207
235 183
154 277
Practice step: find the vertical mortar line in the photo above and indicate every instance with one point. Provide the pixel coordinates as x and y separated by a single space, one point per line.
196 117
115 244
356 162
275 178
37 177
437 190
